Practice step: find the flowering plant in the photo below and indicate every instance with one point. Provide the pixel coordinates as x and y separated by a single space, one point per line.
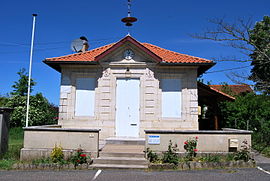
57 154
171 156
79 157
190 146
244 153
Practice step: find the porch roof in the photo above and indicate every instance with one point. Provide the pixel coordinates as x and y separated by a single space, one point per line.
235 89
209 91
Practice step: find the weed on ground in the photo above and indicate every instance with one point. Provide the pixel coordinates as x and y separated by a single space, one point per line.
14 146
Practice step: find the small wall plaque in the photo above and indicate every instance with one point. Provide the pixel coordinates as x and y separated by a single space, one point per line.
153 139
233 143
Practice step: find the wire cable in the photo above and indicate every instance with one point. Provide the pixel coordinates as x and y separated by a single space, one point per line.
224 70
56 42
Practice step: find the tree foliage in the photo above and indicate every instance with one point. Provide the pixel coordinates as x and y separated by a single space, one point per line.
41 112
3 101
252 41
250 112
260 38
226 89
21 86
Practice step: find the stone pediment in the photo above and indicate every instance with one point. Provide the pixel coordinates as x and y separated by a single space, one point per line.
127 53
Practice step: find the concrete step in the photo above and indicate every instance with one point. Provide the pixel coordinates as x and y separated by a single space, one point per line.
114 166
118 148
120 154
120 161
101 144
125 141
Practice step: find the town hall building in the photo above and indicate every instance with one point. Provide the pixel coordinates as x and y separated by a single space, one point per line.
130 90
127 87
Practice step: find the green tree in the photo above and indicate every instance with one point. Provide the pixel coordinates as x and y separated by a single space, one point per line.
21 86
250 40
41 112
260 39
3 101
250 112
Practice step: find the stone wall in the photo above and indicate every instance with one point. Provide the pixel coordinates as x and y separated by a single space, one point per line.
208 141
40 140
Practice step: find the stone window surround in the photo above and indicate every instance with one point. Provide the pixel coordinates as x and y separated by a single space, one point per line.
115 75
74 77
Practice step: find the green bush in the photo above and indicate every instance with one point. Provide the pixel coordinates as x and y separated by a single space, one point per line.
41 112
230 157
57 155
211 158
171 156
6 164
151 156
79 157
42 161
266 151
244 153
250 112
3 101
190 146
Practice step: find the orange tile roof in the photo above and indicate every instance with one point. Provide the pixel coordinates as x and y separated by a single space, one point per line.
174 57
202 86
236 89
165 55
85 56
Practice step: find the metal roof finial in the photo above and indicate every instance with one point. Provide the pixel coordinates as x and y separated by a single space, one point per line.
129 20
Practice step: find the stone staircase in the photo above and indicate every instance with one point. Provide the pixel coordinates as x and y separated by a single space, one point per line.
122 153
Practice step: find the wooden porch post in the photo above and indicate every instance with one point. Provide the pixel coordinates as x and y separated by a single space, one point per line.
216 121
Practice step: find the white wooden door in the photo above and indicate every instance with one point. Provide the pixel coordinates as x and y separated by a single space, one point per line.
127 107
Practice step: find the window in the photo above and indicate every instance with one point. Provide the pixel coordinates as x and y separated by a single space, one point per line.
85 97
171 98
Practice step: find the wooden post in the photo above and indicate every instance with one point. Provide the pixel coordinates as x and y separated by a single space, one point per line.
216 122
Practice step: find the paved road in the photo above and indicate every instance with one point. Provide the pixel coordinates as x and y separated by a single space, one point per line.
246 174
262 161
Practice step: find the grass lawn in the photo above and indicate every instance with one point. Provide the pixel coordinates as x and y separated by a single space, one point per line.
15 144
263 149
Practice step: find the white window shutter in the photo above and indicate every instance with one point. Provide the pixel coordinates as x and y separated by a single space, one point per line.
171 98
85 97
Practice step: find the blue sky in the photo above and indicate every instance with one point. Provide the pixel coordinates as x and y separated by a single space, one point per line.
165 23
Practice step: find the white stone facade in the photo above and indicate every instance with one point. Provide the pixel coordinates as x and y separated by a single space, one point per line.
142 67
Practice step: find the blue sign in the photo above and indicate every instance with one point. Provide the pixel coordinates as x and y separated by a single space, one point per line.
153 139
